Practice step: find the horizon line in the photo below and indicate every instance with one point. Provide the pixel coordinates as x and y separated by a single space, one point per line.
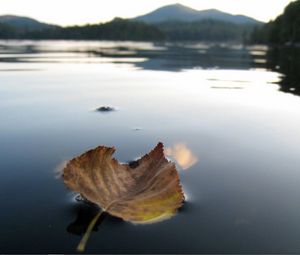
125 18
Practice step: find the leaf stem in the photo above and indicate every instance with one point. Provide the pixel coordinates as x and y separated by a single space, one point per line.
82 244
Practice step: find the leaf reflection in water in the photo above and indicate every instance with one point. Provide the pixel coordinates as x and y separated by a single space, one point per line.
182 155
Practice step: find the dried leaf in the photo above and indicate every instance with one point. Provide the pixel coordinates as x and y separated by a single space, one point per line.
144 192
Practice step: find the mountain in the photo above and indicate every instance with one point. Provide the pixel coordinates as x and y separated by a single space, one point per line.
179 12
207 30
173 22
24 23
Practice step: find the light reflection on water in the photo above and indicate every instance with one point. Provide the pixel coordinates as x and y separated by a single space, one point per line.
243 190
182 155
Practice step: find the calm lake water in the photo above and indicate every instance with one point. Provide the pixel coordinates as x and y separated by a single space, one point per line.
228 116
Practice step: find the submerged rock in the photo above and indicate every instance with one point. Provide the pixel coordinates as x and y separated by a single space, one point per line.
136 128
105 109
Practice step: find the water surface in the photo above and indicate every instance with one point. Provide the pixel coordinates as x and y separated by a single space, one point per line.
228 115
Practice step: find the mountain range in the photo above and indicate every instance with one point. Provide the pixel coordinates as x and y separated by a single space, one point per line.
175 12
179 12
171 22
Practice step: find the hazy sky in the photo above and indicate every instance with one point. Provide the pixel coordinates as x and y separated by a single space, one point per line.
69 12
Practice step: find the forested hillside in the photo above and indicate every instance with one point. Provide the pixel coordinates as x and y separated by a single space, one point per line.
285 29
118 29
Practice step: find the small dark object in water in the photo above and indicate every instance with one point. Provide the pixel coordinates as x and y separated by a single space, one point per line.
136 129
105 109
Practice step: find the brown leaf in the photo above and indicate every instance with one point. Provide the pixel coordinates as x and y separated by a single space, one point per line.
144 192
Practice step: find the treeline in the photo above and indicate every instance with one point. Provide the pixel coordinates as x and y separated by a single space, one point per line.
285 29
117 29
7 32
207 30
121 29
